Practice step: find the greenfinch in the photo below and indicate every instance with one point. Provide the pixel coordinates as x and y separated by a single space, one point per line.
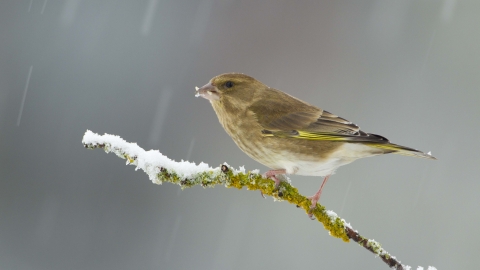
289 135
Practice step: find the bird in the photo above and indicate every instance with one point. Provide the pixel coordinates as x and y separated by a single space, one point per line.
288 135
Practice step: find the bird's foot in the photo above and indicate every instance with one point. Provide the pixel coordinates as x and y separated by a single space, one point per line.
272 174
314 199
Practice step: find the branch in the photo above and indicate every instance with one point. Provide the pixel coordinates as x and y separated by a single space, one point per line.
161 169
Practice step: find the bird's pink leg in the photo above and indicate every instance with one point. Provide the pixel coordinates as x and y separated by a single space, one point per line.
316 197
273 175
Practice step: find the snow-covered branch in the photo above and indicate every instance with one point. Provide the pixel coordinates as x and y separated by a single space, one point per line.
160 168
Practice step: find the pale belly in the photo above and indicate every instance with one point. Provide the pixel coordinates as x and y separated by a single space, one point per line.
310 165
312 168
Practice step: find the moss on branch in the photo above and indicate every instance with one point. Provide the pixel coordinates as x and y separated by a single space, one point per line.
161 169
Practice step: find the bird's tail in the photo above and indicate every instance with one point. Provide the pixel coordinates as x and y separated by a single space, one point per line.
402 150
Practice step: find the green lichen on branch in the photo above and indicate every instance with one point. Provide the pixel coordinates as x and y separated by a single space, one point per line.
225 176
161 169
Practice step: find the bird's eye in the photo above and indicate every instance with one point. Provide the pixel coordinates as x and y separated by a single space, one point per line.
229 84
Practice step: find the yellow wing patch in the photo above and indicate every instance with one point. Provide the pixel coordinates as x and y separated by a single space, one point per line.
370 140
314 136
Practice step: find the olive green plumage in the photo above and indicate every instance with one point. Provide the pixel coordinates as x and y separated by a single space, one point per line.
285 133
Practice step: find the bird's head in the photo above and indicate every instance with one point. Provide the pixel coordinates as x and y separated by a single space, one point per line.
230 87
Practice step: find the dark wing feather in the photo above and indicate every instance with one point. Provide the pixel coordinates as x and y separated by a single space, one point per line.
286 116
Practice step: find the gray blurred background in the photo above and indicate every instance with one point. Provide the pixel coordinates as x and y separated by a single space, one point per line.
408 70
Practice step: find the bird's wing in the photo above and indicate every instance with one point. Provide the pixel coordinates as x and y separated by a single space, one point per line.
287 117
296 119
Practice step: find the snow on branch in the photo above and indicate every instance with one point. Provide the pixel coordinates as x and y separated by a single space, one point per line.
160 168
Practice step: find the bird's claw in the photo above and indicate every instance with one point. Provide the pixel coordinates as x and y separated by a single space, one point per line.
314 200
310 212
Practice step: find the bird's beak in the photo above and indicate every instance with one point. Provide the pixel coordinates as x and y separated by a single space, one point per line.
208 91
